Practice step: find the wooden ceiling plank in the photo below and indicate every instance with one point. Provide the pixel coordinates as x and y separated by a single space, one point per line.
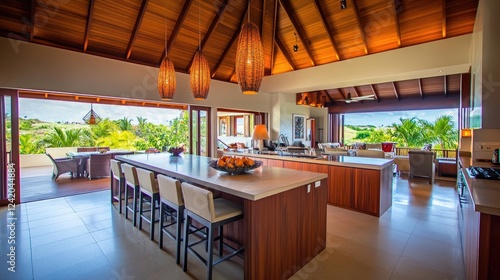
375 93
89 24
287 55
342 93
176 29
443 5
298 27
324 21
211 29
355 91
360 26
327 93
395 91
396 21
230 44
32 19
137 25
420 88
276 6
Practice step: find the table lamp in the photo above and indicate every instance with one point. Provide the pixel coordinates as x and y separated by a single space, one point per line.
259 134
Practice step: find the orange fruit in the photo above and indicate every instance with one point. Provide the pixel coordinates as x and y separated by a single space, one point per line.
239 162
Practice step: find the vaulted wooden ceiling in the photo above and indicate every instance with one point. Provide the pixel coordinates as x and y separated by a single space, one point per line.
136 30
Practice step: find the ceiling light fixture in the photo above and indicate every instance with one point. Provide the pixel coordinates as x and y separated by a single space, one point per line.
199 74
166 73
249 58
91 117
343 4
296 46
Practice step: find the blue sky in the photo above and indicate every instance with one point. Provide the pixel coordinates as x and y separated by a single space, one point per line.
388 118
62 111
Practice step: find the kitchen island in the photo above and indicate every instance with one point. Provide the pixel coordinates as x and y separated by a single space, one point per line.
284 223
357 183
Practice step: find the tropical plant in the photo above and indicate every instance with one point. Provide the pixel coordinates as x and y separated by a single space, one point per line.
28 144
63 138
125 124
409 133
103 128
119 140
142 122
444 133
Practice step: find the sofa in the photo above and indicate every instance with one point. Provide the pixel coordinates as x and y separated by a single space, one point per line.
322 146
370 153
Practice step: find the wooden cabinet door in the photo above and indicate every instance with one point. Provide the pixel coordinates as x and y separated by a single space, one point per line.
341 191
366 190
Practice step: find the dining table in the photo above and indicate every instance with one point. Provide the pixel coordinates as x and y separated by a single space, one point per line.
84 156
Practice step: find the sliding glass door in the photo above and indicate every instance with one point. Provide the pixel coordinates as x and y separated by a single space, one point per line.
199 131
9 147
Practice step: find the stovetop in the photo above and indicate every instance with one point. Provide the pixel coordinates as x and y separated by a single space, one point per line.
484 172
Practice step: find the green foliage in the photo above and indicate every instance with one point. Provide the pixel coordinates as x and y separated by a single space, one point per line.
25 124
28 144
409 133
63 138
379 135
103 128
125 124
118 140
360 135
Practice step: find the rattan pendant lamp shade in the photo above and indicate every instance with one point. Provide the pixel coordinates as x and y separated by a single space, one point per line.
91 117
199 74
166 74
249 58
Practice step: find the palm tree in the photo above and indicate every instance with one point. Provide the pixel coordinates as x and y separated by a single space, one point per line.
63 138
444 132
28 144
141 127
409 133
125 124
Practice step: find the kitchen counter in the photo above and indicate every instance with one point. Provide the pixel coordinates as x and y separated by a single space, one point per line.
284 224
345 161
485 193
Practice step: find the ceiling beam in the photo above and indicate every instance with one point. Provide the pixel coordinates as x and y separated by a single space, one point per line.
230 44
32 19
445 85
396 21
326 26
276 5
355 91
395 90
410 103
211 29
360 26
89 23
177 27
420 90
137 25
287 55
443 27
328 95
342 93
375 93
298 27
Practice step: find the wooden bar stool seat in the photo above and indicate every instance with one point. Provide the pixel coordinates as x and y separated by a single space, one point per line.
131 191
148 192
213 214
117 184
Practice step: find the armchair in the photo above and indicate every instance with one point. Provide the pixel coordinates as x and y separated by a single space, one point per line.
64 165
422 164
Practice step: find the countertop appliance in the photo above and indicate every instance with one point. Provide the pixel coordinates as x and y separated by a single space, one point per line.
490 173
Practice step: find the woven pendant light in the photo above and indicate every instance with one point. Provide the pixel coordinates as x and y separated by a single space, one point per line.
91 117
199 76
249 59
166 74
166 79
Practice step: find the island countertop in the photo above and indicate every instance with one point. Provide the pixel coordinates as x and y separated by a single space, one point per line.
345 161
485 193
254 185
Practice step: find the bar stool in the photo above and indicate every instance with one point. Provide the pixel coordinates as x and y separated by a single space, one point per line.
211 213
131 184
117 176
171 198
148 187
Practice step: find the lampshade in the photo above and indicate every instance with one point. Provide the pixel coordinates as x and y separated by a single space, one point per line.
466 132
91 117
249 59
199 76
166 79
260 132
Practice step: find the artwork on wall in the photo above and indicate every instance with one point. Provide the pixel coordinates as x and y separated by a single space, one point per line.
298 127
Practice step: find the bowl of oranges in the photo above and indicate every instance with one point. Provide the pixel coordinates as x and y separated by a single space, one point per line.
234 165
